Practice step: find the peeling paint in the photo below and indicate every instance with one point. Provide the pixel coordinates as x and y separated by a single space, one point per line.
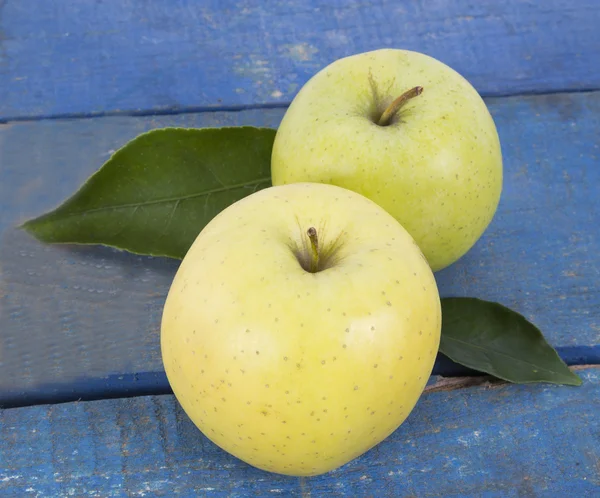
300 51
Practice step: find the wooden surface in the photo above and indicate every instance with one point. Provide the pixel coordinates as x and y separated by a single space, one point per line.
92 314
83 322
84 57
502 441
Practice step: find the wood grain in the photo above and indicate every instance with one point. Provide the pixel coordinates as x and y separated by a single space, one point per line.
87 57
502 441
83 322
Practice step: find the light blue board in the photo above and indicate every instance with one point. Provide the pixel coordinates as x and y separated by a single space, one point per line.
87 56
84 322
502 441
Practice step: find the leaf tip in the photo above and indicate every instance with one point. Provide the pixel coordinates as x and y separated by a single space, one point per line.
30 226
26 225
575 380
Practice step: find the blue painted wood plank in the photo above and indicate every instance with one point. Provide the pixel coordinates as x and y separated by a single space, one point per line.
87 56
494 441
83 322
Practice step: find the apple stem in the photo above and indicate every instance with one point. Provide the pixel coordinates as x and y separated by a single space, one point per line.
395 106
314 244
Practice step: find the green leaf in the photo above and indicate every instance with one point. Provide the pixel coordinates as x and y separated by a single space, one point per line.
156 193
491 338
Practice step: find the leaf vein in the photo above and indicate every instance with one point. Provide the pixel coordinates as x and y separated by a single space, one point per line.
164 231
211 171
167 200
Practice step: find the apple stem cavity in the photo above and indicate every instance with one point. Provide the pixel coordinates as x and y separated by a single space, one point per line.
315 256
397 104
314 253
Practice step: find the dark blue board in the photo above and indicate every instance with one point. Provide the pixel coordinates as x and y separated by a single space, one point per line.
85 57
83 322
499 441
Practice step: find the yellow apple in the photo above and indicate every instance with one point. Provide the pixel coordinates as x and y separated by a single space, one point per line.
433 160
301 328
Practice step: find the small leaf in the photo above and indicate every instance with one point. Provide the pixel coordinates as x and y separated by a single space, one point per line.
491 338
155 194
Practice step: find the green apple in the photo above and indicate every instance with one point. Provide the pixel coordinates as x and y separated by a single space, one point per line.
301 328
406 131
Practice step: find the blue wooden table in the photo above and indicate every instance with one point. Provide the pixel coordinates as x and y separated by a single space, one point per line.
86 408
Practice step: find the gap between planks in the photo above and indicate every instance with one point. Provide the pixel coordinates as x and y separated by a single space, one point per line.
131 113
440 384
454 383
